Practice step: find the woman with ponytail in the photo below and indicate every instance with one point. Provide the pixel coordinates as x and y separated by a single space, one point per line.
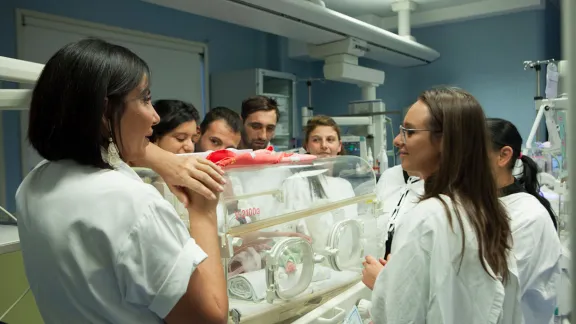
536 246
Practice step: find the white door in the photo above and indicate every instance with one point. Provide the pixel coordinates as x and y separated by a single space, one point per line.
176 65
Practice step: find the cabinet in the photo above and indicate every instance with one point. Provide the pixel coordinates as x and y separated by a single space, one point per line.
229 89
295 240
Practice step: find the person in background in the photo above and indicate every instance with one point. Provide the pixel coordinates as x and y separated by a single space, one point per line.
220 129
177 130
98 244
536 247
260 115
176 133
449 258
322 137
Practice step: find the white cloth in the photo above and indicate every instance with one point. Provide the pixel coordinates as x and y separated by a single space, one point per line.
424 281
248 286
512 310
537 250
101 246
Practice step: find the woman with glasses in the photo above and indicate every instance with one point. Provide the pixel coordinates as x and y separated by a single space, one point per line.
449 256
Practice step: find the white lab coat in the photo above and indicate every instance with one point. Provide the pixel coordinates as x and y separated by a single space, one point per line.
101 246
424 281
298 196
537 250
389 182
390 190
260 179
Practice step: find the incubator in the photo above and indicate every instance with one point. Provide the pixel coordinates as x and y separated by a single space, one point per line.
292 235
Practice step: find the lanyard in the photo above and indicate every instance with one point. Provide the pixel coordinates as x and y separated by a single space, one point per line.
395 213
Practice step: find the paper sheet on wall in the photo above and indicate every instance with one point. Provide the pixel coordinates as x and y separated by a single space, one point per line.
552 76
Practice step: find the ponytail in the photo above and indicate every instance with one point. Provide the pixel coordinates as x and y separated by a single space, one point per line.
504 133
529 181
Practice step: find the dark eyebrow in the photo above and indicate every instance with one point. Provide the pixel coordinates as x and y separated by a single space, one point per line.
408 125
145 91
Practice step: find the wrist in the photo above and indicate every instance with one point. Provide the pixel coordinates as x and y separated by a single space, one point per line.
152 157
202 213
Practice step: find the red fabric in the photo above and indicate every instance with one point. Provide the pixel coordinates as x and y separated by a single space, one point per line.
226 158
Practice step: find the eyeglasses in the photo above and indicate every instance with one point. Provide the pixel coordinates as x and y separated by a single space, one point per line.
410 131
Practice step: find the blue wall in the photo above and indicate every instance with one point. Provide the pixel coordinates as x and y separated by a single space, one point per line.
231 48
483 56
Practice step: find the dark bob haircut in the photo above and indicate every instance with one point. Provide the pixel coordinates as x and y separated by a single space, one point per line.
173 113
84 84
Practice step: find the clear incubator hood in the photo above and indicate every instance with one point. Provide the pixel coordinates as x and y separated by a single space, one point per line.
292 235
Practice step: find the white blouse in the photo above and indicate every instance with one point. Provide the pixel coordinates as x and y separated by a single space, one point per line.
101 246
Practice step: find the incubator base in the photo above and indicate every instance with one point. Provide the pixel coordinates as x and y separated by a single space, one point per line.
288 311
334 310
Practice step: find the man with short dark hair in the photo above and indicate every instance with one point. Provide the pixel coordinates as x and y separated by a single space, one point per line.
219 130
260 115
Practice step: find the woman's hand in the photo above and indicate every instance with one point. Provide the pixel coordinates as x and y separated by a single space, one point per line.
372 268
199 205
196 174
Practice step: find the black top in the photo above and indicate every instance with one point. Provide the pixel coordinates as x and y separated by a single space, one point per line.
511 189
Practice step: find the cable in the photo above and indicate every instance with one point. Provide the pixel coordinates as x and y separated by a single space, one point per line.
27 289
16 302
9 215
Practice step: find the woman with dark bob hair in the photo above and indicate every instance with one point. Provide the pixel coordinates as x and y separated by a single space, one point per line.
100 245
449 261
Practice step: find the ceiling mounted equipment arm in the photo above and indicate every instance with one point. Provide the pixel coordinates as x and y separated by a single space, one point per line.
311 23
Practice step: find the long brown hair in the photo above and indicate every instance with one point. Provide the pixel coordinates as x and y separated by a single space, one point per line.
465 175
321 120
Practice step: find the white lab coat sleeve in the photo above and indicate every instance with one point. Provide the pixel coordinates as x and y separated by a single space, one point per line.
156 259
537 250
402 290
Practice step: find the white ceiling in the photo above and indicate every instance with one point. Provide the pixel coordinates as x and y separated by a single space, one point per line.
430 12
383 7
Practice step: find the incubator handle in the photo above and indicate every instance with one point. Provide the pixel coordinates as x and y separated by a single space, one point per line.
319 258
338 317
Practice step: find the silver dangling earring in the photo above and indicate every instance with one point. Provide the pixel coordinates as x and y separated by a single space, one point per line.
113 155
